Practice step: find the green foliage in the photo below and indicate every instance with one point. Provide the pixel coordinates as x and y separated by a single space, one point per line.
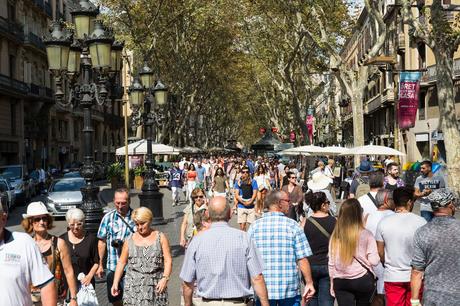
114 170
227 59
139 170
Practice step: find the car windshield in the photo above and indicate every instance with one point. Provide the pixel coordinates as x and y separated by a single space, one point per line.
12 172
72 174
67 185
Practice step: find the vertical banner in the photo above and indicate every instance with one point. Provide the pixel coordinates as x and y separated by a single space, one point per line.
292 136
310 122
409 86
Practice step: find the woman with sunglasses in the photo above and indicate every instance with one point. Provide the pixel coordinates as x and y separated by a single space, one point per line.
187 227
318 229
295 196
352 256
264 185
148 261
219 183
191 181
82 246
37 221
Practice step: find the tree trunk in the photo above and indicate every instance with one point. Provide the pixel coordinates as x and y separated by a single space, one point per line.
448 118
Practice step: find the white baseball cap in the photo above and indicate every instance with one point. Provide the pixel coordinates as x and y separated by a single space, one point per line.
36 209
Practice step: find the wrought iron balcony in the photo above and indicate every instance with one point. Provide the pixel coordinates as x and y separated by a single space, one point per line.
12 86
11 29
33 40
429 76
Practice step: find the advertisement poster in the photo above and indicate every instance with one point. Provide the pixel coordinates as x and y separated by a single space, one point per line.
409 86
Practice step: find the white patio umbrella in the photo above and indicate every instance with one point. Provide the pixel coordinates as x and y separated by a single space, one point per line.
290 152
373 150
140 148
334 150
307 149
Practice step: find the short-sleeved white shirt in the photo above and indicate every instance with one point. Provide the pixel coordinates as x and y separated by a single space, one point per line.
21 265
397 232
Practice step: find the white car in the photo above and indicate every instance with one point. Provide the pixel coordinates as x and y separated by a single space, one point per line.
8 189
64 194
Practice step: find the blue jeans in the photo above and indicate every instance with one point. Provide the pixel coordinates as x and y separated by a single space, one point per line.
322 297
294 301
427 215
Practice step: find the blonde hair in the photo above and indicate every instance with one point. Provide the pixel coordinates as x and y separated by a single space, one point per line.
142 214
345 237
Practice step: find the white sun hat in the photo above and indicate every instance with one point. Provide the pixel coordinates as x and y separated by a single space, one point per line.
36 209
318 181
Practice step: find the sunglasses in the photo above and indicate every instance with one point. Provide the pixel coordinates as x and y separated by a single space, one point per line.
245 171
198 197
38 219
292 177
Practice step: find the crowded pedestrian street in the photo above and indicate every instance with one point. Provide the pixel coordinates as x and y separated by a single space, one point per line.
229 153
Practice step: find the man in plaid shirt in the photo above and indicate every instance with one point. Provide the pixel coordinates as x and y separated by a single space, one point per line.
115 228
283 247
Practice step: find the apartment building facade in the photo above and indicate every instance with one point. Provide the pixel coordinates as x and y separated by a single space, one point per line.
381 95
33 129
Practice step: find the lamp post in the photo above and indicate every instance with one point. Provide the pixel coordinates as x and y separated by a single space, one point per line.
147 101
90 60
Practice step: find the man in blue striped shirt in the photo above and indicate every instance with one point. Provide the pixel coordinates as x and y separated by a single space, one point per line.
283 246
115 228
224 262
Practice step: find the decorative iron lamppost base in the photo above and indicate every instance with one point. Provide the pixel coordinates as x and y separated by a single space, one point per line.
153 200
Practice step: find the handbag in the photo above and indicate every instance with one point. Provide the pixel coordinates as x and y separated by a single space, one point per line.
375 278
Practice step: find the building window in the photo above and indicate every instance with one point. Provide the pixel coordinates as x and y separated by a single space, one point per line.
13 119
12 66
76 130
421 105
11 11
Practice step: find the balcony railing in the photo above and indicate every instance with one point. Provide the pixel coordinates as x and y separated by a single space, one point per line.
34 40
40 91
10 84
429 76
11 28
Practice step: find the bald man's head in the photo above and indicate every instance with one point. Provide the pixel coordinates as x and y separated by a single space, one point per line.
219 210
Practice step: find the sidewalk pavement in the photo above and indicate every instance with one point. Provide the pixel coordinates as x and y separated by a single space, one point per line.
174 217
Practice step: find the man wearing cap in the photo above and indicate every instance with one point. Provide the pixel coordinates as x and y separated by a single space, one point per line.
364 169
22 266
436 254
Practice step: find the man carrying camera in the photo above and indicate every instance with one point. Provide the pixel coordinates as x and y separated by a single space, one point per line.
115 228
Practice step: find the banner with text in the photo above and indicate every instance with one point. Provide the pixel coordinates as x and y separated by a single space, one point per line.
409 86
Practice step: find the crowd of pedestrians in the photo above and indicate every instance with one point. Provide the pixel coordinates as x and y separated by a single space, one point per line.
293 245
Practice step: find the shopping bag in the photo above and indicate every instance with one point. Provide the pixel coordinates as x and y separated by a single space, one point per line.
86 296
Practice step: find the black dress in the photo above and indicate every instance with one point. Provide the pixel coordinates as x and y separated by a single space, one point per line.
83 255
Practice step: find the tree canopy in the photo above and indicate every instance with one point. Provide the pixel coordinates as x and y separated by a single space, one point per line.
232 65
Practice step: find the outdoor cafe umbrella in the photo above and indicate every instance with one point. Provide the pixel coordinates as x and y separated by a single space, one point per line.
140 148
291 152
372 150
333 150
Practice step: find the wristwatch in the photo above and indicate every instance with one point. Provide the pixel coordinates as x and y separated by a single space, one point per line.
73 298
414 302
166 277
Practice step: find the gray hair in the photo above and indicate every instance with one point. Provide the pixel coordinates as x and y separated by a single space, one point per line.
382 194
75 214
219 215
273 198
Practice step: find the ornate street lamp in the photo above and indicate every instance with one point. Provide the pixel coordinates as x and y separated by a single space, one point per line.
147 102
86 57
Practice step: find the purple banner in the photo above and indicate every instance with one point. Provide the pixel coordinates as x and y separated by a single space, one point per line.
409 86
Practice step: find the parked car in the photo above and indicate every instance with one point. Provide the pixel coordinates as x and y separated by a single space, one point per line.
18 178
5 187
71 174
64 194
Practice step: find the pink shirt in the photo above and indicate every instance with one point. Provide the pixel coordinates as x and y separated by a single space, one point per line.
367 254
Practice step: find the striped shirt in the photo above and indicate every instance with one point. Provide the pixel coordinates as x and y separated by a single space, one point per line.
281 242
111 228
222 260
